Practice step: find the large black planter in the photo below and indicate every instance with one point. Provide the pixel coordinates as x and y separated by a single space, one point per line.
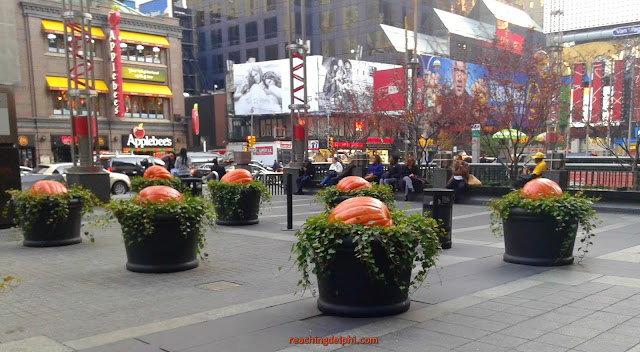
349 291
62 233
165 251
532 239
249 209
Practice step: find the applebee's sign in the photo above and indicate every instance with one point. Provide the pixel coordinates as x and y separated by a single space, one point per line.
116 63
138 139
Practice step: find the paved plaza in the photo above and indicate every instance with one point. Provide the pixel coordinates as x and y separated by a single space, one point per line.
81 297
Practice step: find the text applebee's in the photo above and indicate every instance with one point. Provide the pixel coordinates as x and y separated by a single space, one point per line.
149 142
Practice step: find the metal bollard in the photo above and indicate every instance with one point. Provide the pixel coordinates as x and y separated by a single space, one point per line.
439 202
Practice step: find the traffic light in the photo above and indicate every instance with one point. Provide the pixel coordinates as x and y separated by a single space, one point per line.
251 140
330 142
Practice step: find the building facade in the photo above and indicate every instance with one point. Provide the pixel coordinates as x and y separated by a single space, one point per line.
152 82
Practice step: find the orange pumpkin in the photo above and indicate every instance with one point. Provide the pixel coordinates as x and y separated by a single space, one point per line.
157 172
352 183
47 187
366 211
540 188
241 176
158 194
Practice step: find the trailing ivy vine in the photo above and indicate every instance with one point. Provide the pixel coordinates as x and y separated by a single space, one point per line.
137 220
27 208
329 195
411 242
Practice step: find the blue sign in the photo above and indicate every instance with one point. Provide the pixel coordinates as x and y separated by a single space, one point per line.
629 30
637 132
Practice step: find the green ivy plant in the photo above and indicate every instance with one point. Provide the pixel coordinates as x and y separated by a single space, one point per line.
28 208
570 211
229 196
136 220
329 195
139 183
412 239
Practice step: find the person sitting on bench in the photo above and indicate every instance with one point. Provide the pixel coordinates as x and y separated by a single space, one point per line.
308 171
528 175
375 170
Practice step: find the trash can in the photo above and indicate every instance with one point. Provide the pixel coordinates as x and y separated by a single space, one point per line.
361 159
439 202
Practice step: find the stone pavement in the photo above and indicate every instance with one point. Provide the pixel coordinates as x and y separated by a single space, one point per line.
81 297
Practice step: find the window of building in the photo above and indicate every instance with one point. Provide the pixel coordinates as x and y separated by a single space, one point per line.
234 35
145 53
271 52
240 128
271 27
216 38
350 17
377 42
327 48
217 63
280 129
266 130
253 53
250 7
327 21
55 44
272 5
202 63
387 13
348 44
251 31
215 14
200 18
202 46
232 9
235 57
373 11
144 107
61 104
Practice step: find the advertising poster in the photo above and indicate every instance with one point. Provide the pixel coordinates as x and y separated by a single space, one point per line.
261 87
345 85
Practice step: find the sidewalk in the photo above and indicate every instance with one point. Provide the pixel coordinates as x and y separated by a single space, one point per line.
81 297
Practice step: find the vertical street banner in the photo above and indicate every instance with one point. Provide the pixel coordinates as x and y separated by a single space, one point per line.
577 93
116 63
596 92
618 79
635 91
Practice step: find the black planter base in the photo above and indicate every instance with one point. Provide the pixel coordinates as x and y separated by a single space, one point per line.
533 239
446 245
363 311
537 261
62 233
53 243
166 268
237 222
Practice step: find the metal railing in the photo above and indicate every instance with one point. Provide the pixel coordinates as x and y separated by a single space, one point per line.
273 182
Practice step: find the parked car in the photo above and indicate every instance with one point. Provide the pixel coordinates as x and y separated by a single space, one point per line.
25 170
119 183
132 165
199 158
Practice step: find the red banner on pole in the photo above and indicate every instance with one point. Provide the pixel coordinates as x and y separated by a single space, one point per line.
576 93
596 92
636 91
618 78
116 63
389 90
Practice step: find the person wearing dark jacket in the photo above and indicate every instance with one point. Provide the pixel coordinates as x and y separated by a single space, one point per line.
394 174
307 174
218 169
410 177
169 161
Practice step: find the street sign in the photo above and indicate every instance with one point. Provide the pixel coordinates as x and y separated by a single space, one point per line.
475 133
637 132
628 30
475 127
